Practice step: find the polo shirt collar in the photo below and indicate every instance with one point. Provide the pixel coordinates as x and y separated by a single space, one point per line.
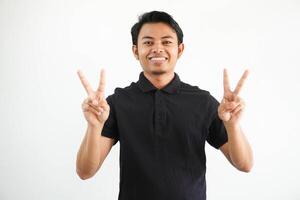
145 85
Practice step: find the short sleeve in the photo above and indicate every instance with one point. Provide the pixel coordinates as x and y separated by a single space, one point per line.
217 134
110 128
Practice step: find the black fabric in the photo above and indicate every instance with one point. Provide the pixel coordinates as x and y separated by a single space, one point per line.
162 136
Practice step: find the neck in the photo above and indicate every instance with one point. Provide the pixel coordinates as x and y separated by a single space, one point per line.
160 81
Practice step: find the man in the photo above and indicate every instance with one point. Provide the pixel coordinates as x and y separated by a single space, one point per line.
161 122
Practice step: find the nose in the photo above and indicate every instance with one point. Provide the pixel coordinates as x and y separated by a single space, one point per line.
157 48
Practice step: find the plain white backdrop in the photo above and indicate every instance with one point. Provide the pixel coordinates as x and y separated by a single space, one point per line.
43 43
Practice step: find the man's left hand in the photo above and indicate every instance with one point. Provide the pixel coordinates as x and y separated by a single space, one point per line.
232 106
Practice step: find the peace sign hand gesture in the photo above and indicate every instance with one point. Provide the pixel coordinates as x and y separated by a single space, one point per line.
95 107
232 106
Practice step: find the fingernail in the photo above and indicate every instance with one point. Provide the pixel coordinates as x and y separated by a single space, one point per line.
95 102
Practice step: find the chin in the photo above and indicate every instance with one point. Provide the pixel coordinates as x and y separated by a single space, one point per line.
158 72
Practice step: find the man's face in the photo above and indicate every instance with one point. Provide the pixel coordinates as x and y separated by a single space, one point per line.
157 48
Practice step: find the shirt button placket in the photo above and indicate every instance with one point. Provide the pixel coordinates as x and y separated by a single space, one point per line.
159 115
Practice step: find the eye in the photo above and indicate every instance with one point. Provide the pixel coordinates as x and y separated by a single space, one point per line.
167 42
147 43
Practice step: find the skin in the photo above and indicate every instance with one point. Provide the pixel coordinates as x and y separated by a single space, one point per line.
95 108
94 147
158 40
237 150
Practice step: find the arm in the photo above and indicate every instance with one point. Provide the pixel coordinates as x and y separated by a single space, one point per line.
93 151
237 150
94 147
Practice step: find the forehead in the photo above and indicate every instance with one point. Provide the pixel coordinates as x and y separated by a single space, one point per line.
157 30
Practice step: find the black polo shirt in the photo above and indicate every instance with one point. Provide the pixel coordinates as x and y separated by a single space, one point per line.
162 134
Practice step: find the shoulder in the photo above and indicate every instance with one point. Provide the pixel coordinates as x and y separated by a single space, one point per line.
121 92
125 91
202 96
193 89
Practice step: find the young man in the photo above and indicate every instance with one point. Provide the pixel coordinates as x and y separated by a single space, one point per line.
162 123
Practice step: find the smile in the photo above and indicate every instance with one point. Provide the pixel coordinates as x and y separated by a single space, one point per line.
158 58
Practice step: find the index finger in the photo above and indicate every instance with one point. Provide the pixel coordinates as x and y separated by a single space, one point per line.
226 81
85 83
101 87
241 82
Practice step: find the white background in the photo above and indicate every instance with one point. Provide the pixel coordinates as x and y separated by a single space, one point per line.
43 43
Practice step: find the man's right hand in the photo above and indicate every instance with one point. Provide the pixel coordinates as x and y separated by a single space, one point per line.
95 107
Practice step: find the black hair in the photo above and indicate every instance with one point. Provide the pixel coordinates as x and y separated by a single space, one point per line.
155 17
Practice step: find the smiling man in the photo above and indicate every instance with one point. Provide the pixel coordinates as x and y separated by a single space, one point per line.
161 123
157 47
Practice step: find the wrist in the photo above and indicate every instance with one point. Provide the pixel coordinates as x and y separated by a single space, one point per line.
231 126
95 126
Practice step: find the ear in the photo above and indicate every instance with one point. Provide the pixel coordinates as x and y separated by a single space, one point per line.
135 51
180 50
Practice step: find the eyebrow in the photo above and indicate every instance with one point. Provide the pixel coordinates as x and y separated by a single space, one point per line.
165 37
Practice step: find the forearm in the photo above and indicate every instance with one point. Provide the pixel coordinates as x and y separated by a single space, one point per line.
88 156
239 148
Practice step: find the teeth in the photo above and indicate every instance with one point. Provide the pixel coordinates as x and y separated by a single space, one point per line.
158 58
